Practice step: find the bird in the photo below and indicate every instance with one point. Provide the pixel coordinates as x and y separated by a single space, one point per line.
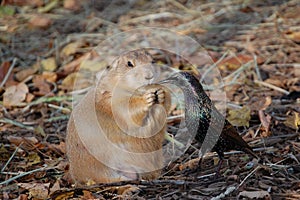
210 127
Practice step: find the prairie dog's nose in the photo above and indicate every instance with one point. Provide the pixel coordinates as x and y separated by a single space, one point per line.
148 74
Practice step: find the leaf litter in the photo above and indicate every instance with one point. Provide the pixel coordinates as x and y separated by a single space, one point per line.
256 46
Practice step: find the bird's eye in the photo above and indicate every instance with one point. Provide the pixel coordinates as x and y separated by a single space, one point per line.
129 64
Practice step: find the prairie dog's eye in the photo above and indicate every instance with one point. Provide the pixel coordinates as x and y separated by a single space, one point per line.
129 64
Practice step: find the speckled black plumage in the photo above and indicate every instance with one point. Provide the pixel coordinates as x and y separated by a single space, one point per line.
204 120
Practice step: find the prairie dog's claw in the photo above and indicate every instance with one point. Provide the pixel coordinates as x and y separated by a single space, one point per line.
154 96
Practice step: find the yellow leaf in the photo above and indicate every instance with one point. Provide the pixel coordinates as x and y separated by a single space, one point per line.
293 121
71 49
33 159
49 64
93 65
239 117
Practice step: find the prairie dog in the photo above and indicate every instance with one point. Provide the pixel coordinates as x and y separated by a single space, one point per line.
117 130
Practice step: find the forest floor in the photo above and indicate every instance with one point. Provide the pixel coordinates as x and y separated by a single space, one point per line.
254 45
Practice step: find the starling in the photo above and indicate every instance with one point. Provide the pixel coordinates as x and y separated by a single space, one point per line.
210 127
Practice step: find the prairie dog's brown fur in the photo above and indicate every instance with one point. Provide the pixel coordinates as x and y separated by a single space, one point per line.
116 132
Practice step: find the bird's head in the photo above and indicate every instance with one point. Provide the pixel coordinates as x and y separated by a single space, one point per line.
184 80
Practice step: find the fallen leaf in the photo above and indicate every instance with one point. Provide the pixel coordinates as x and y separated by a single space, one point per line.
15 95
239 117
23 74
191 164
73 5
29 97
74 65
49 64
71 48
3 70
93 65
260 103
255 195
75 81
55 187
36 190
40 21
18 140
265 122
42 86
234 62
295 36
293 121
49 76
32 159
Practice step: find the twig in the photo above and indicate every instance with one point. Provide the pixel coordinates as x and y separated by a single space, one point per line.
22 174
60 108
173 140
224 194
256 68
46 100
8 72
52 119
151 17
171 118
237 72
19 124
11 157
180 6
251 173
272 87
213 66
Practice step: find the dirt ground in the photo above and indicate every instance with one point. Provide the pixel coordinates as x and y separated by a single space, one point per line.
255 45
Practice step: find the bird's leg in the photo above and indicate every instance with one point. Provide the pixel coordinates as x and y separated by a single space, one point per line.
219 168
200 164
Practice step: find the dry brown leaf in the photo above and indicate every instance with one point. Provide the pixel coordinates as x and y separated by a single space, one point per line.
42 86
191 164
75 81
295 36
234 62
29 97
276 80
71 48
73 5
265 122
18 140
239 117
49 76
74 65
3 70
260 103
293 121
40 21
55 187
15 95
49 64
36 190
23 74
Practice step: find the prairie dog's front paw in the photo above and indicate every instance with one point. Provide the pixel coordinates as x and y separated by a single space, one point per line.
154 96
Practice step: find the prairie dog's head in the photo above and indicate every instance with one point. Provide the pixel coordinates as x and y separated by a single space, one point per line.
129 71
